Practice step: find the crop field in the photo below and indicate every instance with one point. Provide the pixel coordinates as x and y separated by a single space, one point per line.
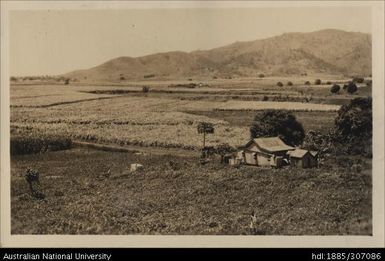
177 195
167 116
174 193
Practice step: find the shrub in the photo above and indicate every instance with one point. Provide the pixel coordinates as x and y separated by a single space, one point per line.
145 89
318 82
358 79
149 76
328 82
278 123
122 78
66 81
32 178
369 83
351 88
261 75
335 88
29 145
280 84
345 86
289 84
307 83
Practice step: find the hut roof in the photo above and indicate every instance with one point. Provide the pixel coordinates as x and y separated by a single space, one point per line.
300 153
272 144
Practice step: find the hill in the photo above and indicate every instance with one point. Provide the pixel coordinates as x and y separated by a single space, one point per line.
327 51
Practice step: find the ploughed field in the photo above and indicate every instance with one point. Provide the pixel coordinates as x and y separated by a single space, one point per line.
91 192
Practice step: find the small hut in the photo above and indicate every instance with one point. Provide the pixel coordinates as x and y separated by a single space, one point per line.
303 158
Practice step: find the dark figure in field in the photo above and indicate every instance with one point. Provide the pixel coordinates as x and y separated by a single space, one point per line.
32 177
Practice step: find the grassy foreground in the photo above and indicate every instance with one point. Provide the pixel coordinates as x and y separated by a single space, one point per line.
91 192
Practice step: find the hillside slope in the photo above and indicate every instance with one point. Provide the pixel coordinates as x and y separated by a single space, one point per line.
325 51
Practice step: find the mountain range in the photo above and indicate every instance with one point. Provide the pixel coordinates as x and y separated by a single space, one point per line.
327 51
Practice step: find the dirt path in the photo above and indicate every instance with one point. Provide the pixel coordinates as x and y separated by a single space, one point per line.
137 149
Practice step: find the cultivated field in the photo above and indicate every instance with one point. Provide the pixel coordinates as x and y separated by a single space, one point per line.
90 192
174 194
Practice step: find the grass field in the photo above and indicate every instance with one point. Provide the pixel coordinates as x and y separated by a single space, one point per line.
90 192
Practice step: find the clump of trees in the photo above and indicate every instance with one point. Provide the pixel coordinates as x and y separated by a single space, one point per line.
351 134
335 88
353 126
280 123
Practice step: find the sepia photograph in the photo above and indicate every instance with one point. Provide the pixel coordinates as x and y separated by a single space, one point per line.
196 119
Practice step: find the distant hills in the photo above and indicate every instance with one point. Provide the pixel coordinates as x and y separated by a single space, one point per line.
327 51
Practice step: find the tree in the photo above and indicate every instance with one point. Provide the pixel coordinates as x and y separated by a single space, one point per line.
289 84
66 81
307 83
261 75
280 84
335 88
280 123
351 88
353 127
145 89
205 128
355 119
317 82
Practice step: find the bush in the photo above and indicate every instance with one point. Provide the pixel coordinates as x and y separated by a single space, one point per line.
351 88
261 75
278 123
66 81
358 80
335 88
29 145
145 89
280 84
369 83
328 82
318 82
345 86
289 84
307 83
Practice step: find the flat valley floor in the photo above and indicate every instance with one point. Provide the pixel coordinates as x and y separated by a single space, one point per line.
91 191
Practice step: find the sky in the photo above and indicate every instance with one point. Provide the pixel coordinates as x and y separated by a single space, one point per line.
51 42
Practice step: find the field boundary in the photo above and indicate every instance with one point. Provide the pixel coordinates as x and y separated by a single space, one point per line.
133 149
